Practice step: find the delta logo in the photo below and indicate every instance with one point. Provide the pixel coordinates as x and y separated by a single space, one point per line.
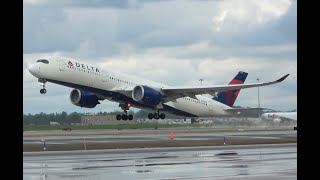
70 63
86 67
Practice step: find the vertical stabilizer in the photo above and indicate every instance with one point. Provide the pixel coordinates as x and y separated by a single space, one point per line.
229 97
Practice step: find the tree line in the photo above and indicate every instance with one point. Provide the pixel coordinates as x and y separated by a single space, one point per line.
45 119
65 118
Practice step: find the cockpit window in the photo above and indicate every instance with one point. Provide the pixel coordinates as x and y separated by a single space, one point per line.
43 61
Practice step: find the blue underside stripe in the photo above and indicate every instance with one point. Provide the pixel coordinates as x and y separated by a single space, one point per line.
122 98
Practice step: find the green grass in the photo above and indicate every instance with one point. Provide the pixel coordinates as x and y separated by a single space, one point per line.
116 126
136 126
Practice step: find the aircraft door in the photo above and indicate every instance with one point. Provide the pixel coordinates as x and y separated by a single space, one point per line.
104 76
210 107
62 65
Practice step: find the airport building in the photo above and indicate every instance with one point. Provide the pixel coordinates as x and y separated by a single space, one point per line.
87 120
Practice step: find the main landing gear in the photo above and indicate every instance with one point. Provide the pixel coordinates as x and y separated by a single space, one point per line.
124 116
43 84
156 115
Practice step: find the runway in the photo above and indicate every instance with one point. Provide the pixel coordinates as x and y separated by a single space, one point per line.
270 161
80 137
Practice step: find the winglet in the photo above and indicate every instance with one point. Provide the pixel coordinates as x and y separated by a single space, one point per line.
283 78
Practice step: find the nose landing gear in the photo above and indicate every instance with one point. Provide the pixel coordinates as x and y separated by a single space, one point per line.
43 91
43 84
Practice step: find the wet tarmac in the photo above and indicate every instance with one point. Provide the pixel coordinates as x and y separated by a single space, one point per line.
278 161
160 137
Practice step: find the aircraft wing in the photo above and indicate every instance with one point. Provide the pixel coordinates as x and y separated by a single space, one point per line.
172 93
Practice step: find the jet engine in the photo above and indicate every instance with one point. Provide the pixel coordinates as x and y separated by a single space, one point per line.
83 98
146 95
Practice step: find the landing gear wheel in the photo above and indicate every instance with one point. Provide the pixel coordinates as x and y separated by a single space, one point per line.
150 116
130 117
43 91
124 117
162 116
118 117
156 115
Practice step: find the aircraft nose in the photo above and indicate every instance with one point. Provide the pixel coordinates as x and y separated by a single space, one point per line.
34 69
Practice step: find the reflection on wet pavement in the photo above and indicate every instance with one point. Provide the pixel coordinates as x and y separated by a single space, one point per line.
251 163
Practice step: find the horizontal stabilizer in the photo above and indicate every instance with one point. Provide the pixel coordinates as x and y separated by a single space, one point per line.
245 110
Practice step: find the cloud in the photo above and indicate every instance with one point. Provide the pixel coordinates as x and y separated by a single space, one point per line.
233 15
276 97
153 25
82 3
173 42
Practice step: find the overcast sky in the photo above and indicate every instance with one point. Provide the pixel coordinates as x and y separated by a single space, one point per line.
174 42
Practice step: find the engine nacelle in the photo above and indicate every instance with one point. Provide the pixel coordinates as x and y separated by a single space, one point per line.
83 98
146 95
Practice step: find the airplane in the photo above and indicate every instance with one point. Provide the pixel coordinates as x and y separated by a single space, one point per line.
92 85
279 116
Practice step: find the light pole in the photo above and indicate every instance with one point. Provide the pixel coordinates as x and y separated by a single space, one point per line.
201 81
258 94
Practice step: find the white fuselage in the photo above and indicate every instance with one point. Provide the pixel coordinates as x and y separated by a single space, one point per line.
59 70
